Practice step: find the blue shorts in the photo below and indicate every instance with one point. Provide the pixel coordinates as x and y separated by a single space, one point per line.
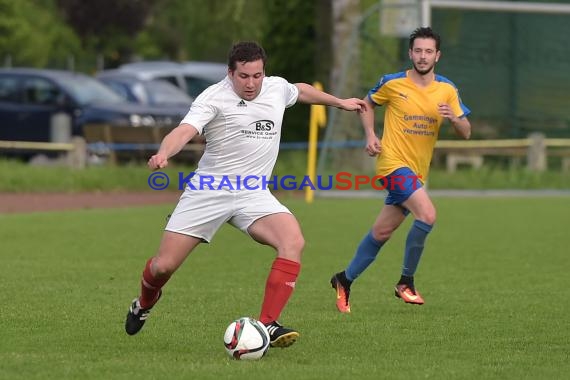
400 185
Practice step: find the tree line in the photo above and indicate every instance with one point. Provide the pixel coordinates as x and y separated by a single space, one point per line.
89 35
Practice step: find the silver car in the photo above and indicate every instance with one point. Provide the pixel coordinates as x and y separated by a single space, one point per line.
192 77
155 93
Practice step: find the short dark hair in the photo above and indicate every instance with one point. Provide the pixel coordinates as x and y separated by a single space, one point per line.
425 32
246 52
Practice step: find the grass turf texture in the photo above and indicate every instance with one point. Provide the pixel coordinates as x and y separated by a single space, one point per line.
494 277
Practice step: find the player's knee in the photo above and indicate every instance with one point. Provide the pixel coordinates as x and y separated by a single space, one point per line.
428 217
382 233
162 268
292 249
297 244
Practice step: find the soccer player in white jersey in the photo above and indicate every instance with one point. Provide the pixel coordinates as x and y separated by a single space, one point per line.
240 118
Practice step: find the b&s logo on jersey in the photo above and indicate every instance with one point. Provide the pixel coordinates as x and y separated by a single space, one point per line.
260 129
263 125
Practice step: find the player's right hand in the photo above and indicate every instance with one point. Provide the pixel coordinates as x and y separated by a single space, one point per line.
158 161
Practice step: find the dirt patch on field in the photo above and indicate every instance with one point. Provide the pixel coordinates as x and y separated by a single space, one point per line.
36 202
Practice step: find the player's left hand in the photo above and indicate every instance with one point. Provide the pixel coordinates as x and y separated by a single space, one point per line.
445 111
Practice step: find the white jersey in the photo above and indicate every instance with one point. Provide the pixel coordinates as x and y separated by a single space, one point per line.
242 137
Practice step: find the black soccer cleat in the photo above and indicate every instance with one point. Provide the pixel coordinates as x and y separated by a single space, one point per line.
136 317
280 336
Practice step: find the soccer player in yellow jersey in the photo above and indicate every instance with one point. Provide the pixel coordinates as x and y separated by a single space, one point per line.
417 101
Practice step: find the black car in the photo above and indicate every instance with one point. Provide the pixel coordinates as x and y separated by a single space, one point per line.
31 98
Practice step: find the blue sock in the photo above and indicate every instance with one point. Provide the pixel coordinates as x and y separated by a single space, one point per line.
364 256
415 247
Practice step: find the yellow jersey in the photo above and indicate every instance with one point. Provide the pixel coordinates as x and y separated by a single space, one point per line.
412 120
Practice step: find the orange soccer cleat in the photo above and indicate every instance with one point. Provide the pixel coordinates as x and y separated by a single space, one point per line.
341 284
409 294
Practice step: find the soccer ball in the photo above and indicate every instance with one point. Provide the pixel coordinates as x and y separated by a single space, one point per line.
246 339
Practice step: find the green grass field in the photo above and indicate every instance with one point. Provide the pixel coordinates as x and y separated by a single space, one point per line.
494 276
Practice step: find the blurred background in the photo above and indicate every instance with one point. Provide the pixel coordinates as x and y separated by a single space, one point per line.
509 59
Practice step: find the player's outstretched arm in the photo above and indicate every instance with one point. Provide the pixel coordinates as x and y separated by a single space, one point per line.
310 95
171 145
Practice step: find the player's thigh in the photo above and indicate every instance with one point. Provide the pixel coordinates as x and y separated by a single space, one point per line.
253 205
260 215
389 219
421 206
173 250
281 231
200 213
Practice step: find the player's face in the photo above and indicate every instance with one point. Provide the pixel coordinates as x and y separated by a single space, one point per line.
247 79
424 55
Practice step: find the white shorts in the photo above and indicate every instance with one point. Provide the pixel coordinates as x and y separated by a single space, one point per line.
200 213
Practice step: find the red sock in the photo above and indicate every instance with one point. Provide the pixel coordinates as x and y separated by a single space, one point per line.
150 286
278 288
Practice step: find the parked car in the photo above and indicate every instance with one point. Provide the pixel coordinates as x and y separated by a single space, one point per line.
201 75
146 91
192 77
29 99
